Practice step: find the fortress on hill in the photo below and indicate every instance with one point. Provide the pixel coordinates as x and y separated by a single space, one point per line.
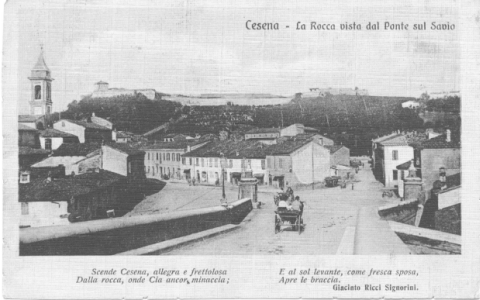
103 91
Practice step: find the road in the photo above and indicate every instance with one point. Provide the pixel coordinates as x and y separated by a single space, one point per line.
327 213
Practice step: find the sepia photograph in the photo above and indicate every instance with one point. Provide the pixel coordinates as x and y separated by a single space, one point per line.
196 130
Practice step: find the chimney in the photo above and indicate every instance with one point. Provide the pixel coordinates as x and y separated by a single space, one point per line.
449 136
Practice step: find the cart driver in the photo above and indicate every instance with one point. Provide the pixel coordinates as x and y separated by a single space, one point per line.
296 204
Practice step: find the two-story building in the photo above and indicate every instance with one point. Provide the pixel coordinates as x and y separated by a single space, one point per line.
85 131
389 152
205 163
163 160
51 139
441 154
297 160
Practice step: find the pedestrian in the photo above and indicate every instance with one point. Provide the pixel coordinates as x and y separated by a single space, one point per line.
353 186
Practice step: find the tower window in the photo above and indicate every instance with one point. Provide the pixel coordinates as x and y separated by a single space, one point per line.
38 92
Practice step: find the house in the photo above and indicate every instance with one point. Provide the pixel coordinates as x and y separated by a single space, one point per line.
28 136
264 135
50 201
164 159
236 157
410 104
101 121
339 160
441 154
32 121
51 139
297 160
123 159
85 131
123 136
389 152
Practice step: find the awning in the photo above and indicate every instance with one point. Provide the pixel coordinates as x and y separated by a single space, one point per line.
259 175
236 174
186 171
278 177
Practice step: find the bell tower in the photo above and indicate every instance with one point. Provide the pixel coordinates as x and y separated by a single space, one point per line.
41 86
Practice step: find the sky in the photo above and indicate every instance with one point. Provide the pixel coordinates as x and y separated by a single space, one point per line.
194 47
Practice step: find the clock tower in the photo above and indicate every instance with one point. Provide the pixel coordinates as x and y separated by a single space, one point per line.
41 86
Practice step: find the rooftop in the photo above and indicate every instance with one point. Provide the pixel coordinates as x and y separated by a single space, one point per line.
263 130
63 189
440 142
287 145
41 65
396 139
86 124
230 149
28 118
129 149
333 148
32 151
50 132
181 144
23 127
76 149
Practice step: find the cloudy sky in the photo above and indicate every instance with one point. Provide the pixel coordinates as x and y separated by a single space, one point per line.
193 47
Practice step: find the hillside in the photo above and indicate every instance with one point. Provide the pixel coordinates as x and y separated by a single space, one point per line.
348 119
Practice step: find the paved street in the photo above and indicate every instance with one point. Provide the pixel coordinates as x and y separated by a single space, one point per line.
327 213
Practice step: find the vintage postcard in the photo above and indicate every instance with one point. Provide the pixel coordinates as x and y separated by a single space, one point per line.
241 149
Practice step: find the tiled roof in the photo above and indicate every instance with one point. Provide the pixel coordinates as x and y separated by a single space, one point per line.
63 189
28 118
76 149
182 144
394 140
230 149
129 149
32 151
124 134
333 148
440 142
50 132
87 124
286 146
263 130
23 127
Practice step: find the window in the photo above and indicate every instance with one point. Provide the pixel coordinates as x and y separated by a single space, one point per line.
190 161
38 92
163 156
395 174
158 157
269 163
24 208
216 162
231 163
129 167
183 161
263 164
203 162
148 156
48 144
178 156
280 163
196 161
168 156
395 155
148 170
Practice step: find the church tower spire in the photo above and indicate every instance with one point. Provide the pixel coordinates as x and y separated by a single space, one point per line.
41 86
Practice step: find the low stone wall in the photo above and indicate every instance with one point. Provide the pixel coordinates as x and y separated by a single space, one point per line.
111 236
